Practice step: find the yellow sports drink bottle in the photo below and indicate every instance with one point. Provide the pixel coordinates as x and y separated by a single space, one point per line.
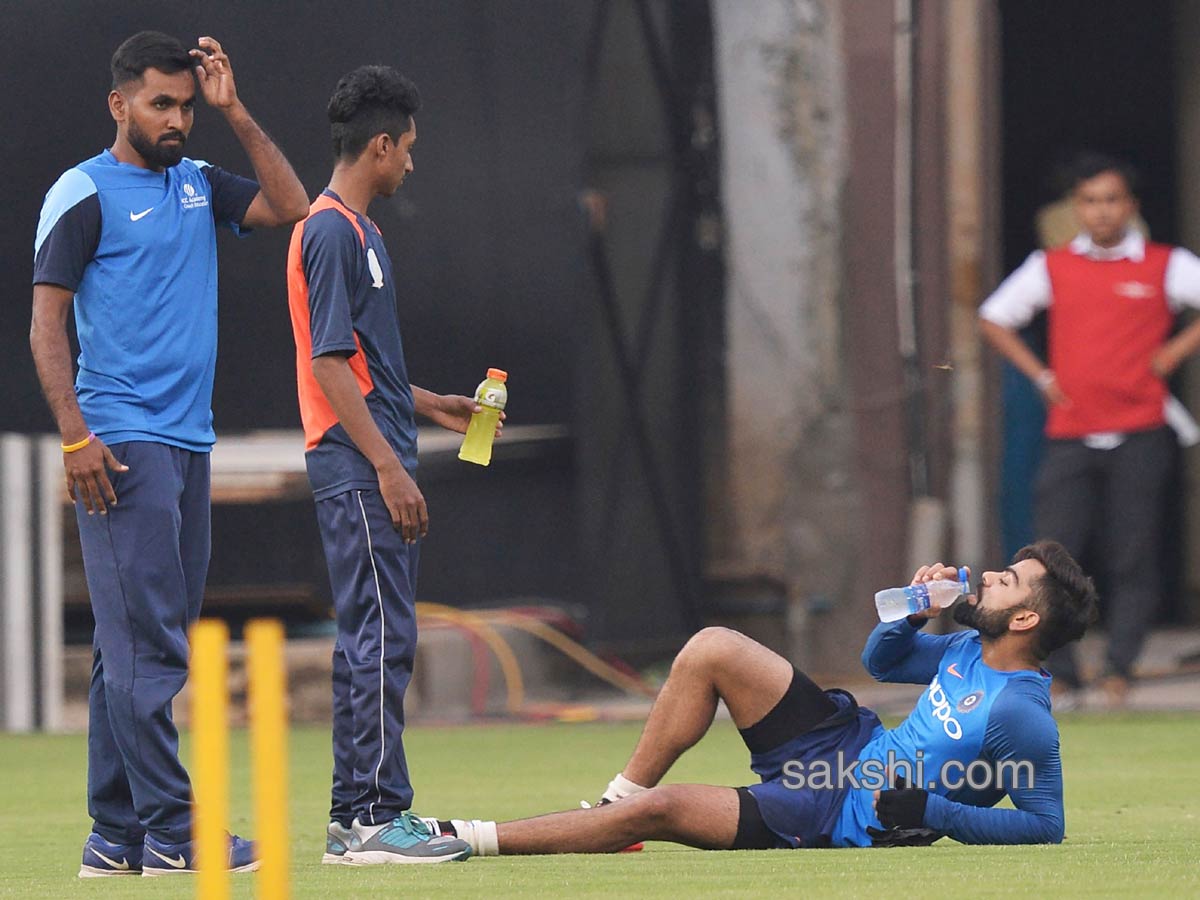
492 395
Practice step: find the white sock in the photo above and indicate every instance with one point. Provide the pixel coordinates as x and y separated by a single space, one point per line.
620 788
480 834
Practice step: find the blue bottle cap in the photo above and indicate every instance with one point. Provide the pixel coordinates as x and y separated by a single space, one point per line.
963 575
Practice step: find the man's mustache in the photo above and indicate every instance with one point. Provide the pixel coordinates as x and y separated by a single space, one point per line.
173 136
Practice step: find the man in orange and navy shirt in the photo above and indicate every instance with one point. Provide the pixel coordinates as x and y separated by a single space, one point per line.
358 410
1111 299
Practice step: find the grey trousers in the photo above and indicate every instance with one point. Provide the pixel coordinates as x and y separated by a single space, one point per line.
1110 501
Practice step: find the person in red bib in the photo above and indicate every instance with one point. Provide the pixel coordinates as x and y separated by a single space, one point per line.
1111 298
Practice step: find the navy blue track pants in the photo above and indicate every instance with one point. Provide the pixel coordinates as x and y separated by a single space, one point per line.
374 578
146 562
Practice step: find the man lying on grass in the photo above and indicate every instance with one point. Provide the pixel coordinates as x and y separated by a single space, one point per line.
832 775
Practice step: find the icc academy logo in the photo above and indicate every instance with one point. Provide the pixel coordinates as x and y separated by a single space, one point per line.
192 199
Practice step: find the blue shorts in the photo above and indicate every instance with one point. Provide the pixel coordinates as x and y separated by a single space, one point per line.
799 815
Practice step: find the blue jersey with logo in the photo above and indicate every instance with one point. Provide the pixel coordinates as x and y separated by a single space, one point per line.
968 712
342 298
138 248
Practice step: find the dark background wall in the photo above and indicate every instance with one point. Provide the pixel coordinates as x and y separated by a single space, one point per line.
1085 74
483 235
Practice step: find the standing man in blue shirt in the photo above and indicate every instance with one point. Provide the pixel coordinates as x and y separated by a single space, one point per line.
981 730
129 238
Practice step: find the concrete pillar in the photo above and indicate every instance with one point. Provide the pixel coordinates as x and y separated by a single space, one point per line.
789 491
971 166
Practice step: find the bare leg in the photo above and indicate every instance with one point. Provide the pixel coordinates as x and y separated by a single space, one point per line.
716 662
694 814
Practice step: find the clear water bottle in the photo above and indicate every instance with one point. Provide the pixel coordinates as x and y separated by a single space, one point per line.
492 395
895 603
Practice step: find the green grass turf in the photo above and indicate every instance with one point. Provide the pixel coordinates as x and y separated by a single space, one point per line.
1133 822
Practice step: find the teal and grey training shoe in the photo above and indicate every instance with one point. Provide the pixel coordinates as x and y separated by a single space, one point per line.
337 842
101 859
406 839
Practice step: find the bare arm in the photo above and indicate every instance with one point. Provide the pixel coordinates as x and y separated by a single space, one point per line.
281 199
400 493
426 403
1172 354
52 356
452 411
86 469
1009 345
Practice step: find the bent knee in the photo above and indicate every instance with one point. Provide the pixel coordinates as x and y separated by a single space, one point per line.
710 645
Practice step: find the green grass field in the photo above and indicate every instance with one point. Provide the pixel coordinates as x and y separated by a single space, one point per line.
1133 822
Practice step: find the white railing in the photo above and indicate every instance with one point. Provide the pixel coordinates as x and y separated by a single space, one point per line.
253 468
31 586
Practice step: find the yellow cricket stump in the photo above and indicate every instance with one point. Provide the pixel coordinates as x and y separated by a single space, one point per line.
268 752
268 749
210 759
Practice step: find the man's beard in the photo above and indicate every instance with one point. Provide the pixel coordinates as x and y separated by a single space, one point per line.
156 155
990 623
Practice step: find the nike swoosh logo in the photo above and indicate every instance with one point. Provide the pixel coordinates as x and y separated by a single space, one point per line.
122 865
133 217
953 670
173 863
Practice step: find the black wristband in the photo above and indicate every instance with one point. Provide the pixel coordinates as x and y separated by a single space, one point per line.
903 808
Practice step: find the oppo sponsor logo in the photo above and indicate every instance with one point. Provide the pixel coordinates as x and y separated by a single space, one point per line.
941 710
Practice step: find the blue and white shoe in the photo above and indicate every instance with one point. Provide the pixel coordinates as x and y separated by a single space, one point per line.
180 859
337 842
101 859
406 839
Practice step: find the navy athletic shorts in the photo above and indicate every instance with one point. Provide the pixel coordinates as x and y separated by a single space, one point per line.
807 725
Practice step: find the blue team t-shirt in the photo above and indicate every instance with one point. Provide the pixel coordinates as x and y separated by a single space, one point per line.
138 248
342 299
968 712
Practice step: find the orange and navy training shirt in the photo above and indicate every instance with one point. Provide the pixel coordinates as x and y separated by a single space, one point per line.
342 299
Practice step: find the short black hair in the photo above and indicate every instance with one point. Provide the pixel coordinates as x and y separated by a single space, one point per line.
1064 596
1089 164
148 50
370 100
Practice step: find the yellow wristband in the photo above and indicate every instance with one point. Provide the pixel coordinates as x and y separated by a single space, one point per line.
79 445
